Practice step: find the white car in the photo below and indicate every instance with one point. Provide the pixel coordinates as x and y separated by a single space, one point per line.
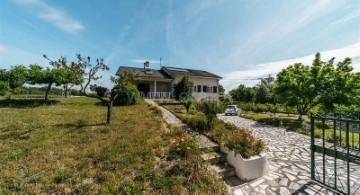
232 110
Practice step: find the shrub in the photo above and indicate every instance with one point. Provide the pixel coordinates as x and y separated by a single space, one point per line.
183 146
244 143
99 90
210 109
196 122
128 95
4 88
187 103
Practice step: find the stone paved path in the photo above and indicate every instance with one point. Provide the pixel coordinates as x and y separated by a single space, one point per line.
167 115
289 162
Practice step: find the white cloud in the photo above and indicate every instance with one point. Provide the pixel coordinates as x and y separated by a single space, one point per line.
347 17
53 15
250 77
2 48
308 14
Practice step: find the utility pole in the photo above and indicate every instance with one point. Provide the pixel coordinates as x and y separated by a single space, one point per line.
160 63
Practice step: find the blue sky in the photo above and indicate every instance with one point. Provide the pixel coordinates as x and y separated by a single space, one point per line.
238 40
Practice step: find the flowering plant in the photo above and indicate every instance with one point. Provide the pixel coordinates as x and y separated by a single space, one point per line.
244 143
183 146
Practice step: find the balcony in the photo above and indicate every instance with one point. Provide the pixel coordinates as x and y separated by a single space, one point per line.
164 95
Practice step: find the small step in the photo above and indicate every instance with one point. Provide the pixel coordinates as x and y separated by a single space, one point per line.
213 157
223 170
206 143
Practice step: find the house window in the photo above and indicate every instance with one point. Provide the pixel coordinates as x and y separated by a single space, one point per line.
199 88
205 88
195 88
215 89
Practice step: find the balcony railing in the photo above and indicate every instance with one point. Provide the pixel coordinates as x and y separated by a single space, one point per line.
165 95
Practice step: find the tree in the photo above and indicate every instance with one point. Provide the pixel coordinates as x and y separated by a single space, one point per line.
265 90
86 72
341 84
306 87
221 90
243 94
15 77
183 88
210 109
48 76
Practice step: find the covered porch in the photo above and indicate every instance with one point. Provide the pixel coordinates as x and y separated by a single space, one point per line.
155 88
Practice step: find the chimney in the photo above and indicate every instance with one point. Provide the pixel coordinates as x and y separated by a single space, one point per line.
147 68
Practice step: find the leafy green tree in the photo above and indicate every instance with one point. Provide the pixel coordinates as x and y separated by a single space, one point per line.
261 94
341 85
265 90
183 88
210 109
243 94
221 90
15 77
321 84
99 90
48 76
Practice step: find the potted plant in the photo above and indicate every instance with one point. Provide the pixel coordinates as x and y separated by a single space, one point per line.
243 152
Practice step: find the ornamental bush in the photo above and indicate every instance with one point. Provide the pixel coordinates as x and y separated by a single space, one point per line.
128 95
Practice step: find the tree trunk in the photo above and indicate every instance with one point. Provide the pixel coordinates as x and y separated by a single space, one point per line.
47 92
109 107
66 89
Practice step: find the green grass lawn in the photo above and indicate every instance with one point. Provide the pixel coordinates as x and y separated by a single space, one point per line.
65 147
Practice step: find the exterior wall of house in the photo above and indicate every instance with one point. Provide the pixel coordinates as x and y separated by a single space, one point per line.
207 82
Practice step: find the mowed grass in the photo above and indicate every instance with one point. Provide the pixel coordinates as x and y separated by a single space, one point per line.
65 147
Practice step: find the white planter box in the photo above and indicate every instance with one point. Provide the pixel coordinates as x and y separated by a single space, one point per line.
246 169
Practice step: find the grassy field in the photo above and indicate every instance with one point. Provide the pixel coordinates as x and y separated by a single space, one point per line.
65 147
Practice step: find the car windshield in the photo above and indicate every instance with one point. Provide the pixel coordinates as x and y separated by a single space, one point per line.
230 107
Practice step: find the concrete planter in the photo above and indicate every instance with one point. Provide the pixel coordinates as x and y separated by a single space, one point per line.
246 169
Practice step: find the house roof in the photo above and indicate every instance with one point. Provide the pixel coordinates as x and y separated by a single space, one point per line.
190 72
141 72
167 72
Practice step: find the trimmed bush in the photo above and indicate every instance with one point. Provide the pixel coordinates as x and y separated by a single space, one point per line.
128 95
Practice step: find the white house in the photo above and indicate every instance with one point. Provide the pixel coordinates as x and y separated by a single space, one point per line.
159 83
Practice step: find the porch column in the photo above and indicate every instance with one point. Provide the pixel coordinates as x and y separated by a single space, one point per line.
155 88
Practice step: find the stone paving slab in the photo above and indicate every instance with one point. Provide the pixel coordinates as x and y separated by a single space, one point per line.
289 163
